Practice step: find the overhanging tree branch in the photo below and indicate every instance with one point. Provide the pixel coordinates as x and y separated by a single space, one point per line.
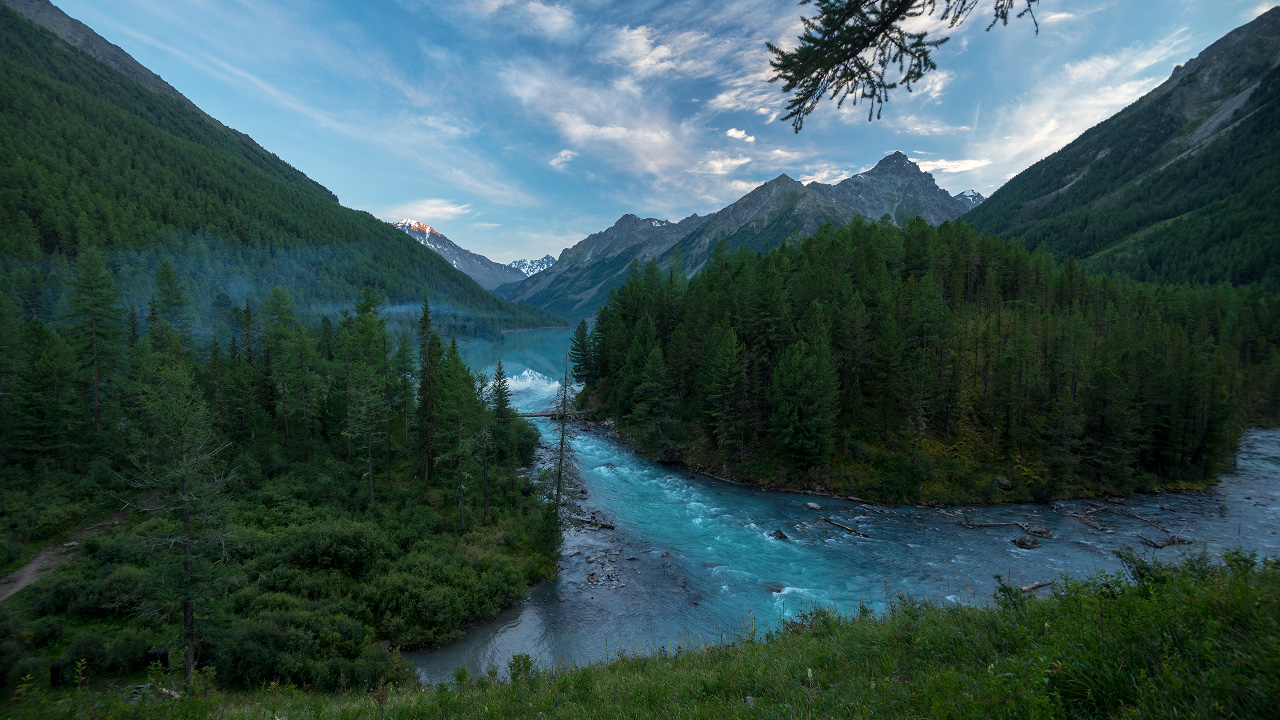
850 47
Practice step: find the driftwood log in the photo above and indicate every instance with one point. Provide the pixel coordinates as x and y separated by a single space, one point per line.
846 528
1036 586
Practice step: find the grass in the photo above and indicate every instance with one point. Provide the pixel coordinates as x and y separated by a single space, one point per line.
1199 638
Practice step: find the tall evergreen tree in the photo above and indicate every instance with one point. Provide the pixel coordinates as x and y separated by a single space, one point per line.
94 322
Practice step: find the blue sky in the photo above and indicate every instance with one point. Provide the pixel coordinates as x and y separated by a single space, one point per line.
518 127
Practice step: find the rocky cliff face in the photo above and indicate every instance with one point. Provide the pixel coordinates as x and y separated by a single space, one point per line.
487 273
760 220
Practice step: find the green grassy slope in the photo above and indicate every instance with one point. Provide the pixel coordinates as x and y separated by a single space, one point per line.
88 156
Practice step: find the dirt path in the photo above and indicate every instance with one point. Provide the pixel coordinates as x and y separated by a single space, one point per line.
53 556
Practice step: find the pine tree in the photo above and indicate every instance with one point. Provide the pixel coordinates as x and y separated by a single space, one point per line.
94 321
803 397
721 371
173 303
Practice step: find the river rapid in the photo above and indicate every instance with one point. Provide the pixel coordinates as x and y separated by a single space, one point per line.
691 560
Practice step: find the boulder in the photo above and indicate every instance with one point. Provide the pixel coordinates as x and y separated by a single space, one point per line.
813 506
778 534
1001 482
1039 530
1027 542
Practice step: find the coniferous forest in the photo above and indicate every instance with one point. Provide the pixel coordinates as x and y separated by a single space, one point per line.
301 499
931 363
89 158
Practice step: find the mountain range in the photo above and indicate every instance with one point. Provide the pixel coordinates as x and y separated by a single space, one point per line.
760 220
1181 186
85 125
484 271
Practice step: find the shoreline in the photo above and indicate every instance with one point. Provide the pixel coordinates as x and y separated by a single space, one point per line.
608 429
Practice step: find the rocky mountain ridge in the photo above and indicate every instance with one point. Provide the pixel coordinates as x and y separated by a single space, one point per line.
760 220
530 267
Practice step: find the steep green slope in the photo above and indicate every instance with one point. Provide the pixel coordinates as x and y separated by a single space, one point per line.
89 157
1181 186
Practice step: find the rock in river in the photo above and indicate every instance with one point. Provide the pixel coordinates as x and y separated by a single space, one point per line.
1027 542
813 506
778 534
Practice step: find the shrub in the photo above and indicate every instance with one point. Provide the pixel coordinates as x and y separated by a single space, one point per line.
90 647
129 651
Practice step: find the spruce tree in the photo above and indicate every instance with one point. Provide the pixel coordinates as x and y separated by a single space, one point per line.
580 354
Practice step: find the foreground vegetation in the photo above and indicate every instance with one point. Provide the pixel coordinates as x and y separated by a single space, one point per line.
930 363
1199 639
301 501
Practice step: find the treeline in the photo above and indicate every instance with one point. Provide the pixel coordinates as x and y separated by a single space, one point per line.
300 500
932 363
89 157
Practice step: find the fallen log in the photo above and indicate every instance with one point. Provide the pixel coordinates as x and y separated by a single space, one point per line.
1036 586
846 528
1159 545
1090 522
1126 513
867 502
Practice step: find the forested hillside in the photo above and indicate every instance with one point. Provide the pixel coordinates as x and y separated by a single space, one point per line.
1182 186
932 364
88 158
297 501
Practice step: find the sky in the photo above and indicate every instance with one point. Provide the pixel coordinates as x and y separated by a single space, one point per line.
518 127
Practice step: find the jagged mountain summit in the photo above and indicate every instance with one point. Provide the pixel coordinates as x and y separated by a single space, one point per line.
487 273
898 187
530 267
760 220
1181 186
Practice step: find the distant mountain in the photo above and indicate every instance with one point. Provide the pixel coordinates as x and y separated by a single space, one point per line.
970 198
760 220
896 186
96 149
529 267
1182 185
484 271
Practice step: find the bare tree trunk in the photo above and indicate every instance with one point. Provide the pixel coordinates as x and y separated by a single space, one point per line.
188 602
284 409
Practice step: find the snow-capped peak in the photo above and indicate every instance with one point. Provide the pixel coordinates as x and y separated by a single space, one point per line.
529 267
411 226
972 198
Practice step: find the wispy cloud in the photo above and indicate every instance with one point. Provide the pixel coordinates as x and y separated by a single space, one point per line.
825 173
950 166
718 163
1063 105
562 158
1258 9
428 210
